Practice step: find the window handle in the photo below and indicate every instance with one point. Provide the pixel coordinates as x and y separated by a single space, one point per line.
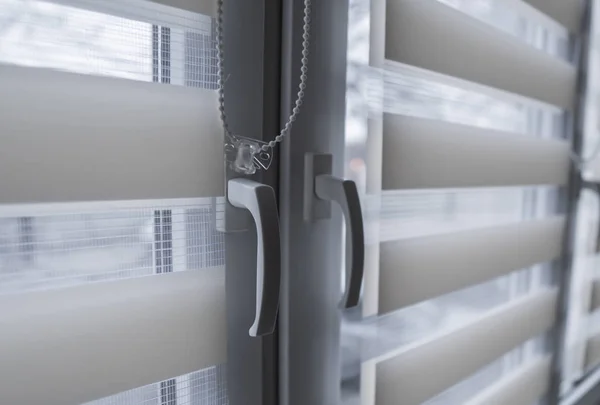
259 199
345 194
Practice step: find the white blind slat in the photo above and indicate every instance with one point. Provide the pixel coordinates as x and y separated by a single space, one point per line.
87 342
206 7
434 36
523 387
595 304
427 370
176 12
182 15
592 357
566 12
423 153
414 270
70 137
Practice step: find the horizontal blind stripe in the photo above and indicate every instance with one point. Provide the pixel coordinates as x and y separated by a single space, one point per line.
152 11
595 304
423 153
566 12
69 137
434 36
531 13
82 343
413 270
430 368
592 354
439 88
523 387
206 7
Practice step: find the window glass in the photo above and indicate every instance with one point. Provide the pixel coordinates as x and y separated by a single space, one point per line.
391 215
47 246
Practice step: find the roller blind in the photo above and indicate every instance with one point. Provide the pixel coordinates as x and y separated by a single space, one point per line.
111 150
421 373
109 135
449 69
416 269
421 153
95 340
567 13
592 352
450 38
523 387
592 349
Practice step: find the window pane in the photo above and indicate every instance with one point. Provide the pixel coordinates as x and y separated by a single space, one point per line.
204 387
65 245
48 246
375 87
136 40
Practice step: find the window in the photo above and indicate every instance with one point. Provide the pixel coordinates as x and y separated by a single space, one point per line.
52 245
129 277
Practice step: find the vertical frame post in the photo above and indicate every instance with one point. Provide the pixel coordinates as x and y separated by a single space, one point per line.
252 50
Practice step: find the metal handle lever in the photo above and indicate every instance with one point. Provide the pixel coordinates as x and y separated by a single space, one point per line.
344 193
259 199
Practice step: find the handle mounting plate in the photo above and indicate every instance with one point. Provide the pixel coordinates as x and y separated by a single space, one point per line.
314 165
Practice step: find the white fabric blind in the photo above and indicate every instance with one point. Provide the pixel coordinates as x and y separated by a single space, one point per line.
595 296
423 372
206 7
592 357
566 12
87 342
413 270
433 36
429 142
124 117
153 11
422 153
70 137
523 387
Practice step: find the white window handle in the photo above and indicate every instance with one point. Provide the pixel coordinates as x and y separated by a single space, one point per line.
260 200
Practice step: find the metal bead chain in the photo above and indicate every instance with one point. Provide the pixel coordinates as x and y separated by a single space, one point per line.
303 77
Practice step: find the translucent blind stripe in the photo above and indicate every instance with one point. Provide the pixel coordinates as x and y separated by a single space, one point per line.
524 387
430 368
566 12
83 343
71 137
592 357
413 270
434 36
422 153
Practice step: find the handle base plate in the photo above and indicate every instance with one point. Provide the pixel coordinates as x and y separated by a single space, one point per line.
314 165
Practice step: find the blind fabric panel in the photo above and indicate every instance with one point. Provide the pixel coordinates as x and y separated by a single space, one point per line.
80 344
433 36
413 270
524 387
566 12
423 153
595 304
427 370
592 357
441 59
206 7
115 139
178 14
